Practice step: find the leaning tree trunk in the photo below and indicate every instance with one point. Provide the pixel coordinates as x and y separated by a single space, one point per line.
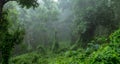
2 3
1 7
3 30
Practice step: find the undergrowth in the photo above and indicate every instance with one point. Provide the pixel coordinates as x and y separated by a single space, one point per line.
106 54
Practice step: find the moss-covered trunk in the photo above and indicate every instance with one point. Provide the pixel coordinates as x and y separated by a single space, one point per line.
3 31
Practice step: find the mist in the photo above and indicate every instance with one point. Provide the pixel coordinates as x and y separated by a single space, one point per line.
56 30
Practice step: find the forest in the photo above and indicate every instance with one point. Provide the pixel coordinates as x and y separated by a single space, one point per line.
59 31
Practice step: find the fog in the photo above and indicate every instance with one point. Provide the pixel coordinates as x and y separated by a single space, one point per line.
59 32
53 22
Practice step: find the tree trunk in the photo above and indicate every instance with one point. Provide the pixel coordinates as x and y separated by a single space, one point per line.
5 58
2 2
0 30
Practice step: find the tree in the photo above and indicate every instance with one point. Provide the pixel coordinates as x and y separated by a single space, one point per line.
39 22
91 18
23 3
8 40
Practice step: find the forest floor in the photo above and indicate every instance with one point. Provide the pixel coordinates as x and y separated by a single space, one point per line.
106 54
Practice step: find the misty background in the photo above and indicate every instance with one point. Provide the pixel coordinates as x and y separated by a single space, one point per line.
56 22
72 31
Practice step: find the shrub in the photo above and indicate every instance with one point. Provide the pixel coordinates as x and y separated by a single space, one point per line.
115 37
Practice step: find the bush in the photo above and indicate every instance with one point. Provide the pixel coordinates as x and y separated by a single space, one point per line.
108 53
115 37
105 55
30 58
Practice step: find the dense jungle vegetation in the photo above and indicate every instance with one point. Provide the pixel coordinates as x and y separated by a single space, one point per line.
59 31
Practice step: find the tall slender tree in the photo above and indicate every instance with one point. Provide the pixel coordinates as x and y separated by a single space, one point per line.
8 40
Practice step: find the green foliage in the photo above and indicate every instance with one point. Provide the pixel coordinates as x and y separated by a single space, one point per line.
90 17
39 22
100 40
8 44
28 3
106 54
115 37
86 23
4 46
8 39
30 58
41 50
